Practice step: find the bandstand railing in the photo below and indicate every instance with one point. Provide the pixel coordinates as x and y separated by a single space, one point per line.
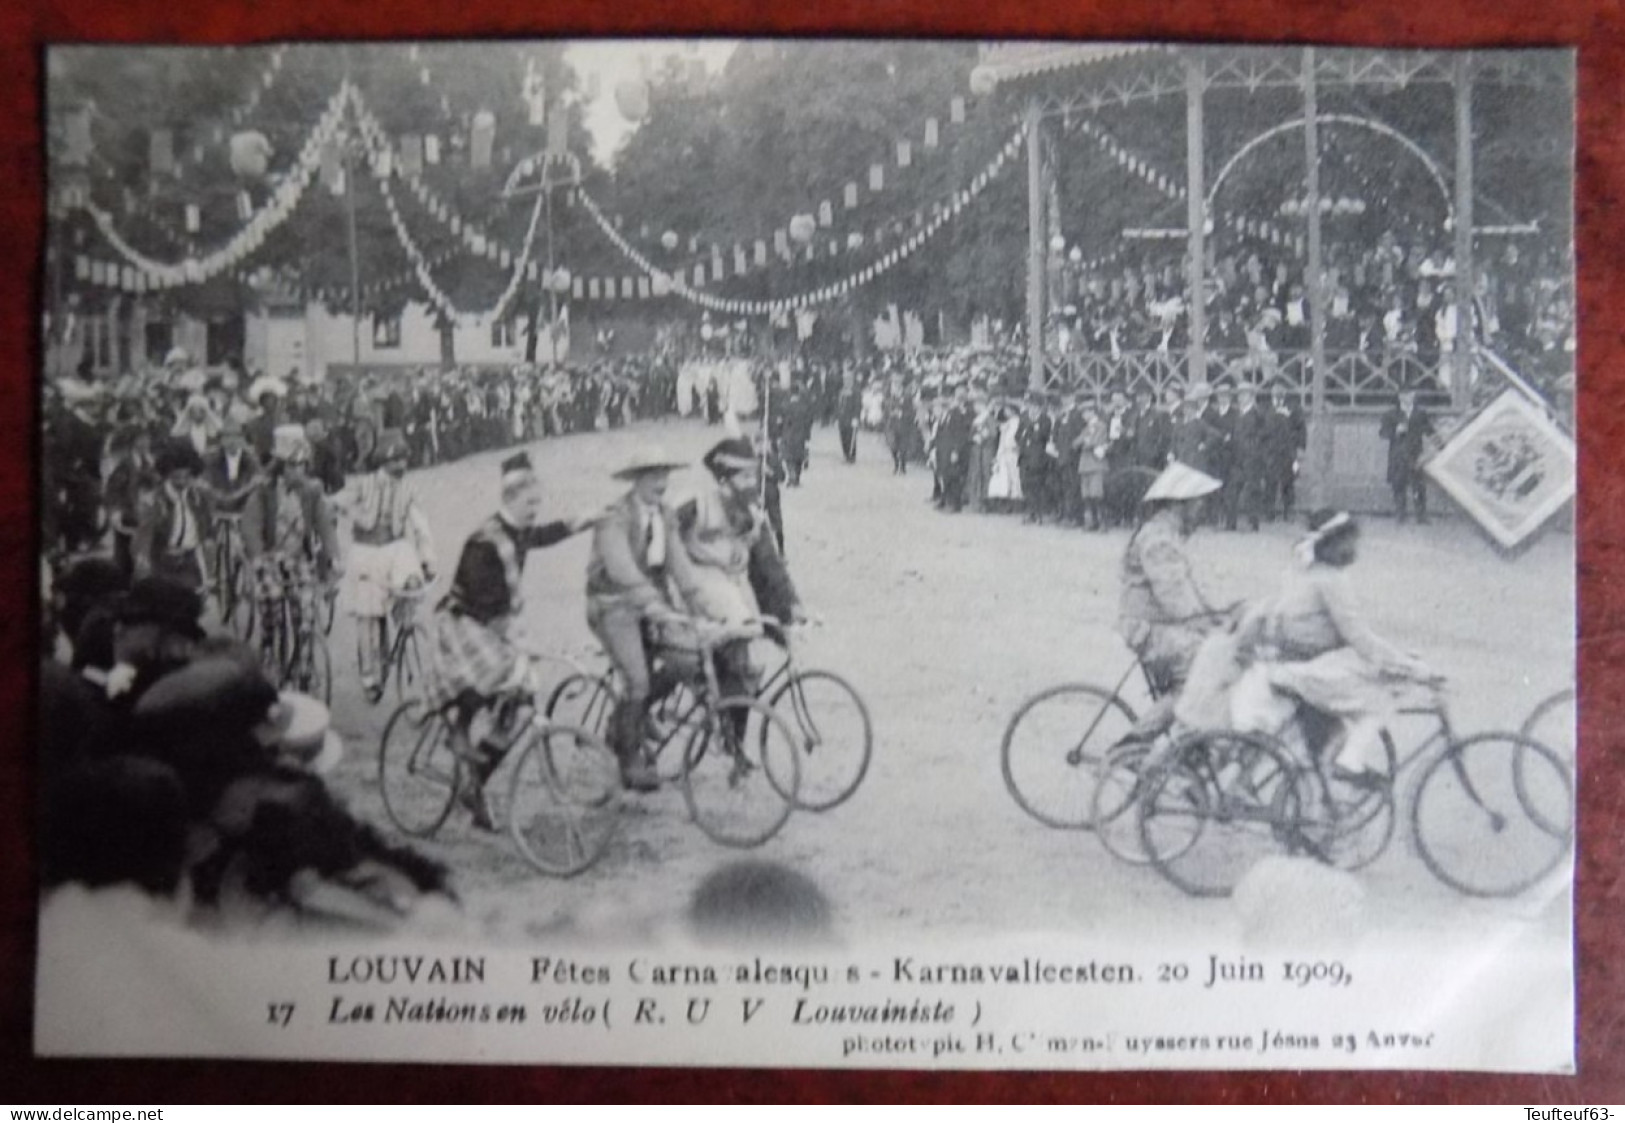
1356 381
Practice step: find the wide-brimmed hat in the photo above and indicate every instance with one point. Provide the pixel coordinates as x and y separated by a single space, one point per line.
265 384
164 601
1201 392
223 694
305 733
289 443
1179 482
649 459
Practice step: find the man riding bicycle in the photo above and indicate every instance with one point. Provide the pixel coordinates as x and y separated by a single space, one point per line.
636 551
474 657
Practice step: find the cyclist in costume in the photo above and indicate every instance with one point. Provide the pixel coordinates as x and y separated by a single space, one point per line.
1163 615
735 558
1312 645
473 652
636 551
392 549
289 538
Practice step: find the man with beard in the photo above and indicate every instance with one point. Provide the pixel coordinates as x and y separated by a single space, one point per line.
1035 462
848 409
1221 419
953 444
1249 462
1285 437
1064 439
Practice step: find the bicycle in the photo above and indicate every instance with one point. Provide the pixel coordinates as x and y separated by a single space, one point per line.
701 739
231 576
1056 743
1491 814
402 655
298 656
563 797
834 732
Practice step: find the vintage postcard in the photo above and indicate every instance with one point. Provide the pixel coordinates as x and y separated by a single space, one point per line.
906 554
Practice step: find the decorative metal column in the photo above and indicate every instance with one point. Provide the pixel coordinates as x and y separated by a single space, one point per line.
1461 368
1320 431
1035 247
1195 213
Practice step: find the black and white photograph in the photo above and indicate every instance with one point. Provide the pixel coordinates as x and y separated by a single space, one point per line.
844 553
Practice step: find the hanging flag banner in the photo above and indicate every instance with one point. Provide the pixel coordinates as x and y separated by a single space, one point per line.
877 177
930 132
578 288
851 195
592 288
805 299
956 111
761 252
739 261
194 218
905 154
431 148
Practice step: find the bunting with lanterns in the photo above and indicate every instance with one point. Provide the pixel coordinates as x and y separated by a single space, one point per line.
803 227
196 269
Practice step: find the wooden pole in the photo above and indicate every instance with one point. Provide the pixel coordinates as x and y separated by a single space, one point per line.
1035 248
1196 214
1461 371
1320 432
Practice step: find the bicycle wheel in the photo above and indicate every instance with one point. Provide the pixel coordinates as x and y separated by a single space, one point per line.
834 733
582 701
1488 828
1114 807
671 724
419 771
564 805
1347 823
1052 750
1225 801
739 781
408 665
1552 723
225 580
309 666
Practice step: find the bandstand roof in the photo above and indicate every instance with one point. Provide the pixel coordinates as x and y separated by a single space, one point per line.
1003 62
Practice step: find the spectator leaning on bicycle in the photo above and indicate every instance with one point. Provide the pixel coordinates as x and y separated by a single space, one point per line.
392 549
635 550
474 656
288 534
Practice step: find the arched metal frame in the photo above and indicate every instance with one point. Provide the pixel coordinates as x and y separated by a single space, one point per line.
1192 71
